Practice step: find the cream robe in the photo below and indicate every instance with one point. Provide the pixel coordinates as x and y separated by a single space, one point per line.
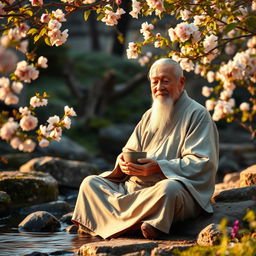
186 151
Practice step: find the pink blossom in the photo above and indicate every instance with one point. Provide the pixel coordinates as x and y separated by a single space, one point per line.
54 24
42 62
230 49
59 15
143 60
206 91
254 5
28 122
136 7
3 92
57 37
210 104
56 133
132 51
23 46
26 72
8 60
5 41
221 109
226 94
157 44
185 14
43 129
244 106
157 5
172 34
4 82
8 129
67 122
24 111
252 41
27 146
210 76
187 64
44 143
53 121
37 102
146 30
199 19
210 42
36 2
23 29
235 229
69 111
111 18
45 18
17 87
15 142
11 99
14 34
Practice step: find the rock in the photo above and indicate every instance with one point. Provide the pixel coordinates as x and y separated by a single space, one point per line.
209 236
232 178
67 149
224 186
236 194
28 188
248 176
15 160
40 221
72 229
167 250
56 208
116 247
66 172
36 254
113 138
5 203
67 218
230 210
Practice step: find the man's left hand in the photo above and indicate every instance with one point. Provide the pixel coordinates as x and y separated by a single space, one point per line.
146 167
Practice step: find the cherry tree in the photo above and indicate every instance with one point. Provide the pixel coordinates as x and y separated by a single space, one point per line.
215 39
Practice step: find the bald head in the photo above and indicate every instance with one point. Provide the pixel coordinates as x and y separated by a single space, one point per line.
166 61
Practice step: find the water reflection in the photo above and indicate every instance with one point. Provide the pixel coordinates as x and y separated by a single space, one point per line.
27 242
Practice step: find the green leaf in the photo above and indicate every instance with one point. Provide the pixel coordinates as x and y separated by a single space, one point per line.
42 32
32 31
36 38
230 27
100 17
87 14
47 41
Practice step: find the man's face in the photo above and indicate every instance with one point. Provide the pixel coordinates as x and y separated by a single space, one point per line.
164 82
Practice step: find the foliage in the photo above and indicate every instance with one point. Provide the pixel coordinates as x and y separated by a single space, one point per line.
244 244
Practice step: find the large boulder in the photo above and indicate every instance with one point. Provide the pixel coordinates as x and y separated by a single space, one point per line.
248 176
28 188
67 172
40 221
65 148
230 210
236 194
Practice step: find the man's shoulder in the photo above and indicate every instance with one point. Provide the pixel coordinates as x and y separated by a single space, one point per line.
194 108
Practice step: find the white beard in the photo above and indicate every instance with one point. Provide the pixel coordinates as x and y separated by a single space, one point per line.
161 113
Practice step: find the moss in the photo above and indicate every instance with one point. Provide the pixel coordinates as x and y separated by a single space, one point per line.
24 189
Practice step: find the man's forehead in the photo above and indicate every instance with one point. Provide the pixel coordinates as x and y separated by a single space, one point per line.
158 69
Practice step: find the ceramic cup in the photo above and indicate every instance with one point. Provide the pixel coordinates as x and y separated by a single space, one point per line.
134 156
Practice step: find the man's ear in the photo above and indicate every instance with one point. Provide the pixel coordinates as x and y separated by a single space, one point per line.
182 83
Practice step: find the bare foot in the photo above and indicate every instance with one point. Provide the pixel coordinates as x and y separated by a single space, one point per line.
148 231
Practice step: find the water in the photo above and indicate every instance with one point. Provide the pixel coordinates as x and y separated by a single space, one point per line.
13 244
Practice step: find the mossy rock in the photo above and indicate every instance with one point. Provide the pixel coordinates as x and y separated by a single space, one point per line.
28 188
5 202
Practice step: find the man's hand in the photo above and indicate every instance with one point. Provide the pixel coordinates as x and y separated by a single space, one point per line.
147 167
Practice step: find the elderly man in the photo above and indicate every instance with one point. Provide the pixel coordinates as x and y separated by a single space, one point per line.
176 180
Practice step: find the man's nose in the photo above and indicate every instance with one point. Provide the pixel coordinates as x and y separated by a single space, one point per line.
159 85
